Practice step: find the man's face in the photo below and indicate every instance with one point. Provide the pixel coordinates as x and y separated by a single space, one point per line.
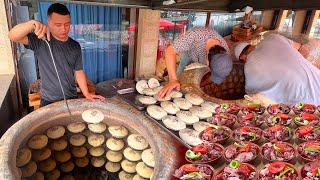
59 26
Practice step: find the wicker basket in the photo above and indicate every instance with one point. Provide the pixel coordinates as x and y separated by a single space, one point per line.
230 89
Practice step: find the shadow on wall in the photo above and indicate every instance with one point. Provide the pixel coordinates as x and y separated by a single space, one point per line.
9 111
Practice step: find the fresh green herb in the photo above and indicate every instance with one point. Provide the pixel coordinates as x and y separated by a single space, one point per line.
191 155
311 150
318 172
317 129
289 131
252 134
275 147
300 105
224 106
275 120
234 164
282 173
300 121
195 174
239 145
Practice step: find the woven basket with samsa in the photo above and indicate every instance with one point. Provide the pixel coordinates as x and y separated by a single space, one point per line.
232 88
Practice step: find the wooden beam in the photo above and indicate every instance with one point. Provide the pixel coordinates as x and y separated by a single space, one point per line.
208 19
147 44
267 16
306 22
313 20
132 48
298 22
194 5
275 18
274 4
118 3
281 18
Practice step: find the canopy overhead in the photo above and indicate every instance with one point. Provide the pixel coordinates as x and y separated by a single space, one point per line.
208 5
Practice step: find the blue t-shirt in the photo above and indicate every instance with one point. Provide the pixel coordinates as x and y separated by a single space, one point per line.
68 59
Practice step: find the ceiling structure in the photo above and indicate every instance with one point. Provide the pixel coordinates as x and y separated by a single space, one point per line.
232 5
208 5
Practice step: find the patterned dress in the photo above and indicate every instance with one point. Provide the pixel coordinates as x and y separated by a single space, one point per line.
194 43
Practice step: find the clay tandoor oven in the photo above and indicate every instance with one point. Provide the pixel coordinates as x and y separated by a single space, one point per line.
199 81
166 149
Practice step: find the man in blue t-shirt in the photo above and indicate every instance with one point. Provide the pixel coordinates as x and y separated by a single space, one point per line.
66 52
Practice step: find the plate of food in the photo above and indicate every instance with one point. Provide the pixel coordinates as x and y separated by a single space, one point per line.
278 151
241 151
237 170
307 133
247 133
228 108
204 153
251 119
223 119
255 107
274 109
304 107
216 134
311 171
194 171
279 170
309 151
277 133
279 119
307 119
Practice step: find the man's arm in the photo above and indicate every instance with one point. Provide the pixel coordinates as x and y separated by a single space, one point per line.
20 32
82 81
182 44
171 61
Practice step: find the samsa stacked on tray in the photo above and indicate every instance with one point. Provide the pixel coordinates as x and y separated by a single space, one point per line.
181 113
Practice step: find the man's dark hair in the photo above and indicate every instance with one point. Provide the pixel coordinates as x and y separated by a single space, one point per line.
58 8
215 50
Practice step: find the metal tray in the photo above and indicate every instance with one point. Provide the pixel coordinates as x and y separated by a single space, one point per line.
173 133
131 98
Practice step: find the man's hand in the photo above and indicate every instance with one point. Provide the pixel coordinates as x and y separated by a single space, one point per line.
41 30
93 97
168 88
